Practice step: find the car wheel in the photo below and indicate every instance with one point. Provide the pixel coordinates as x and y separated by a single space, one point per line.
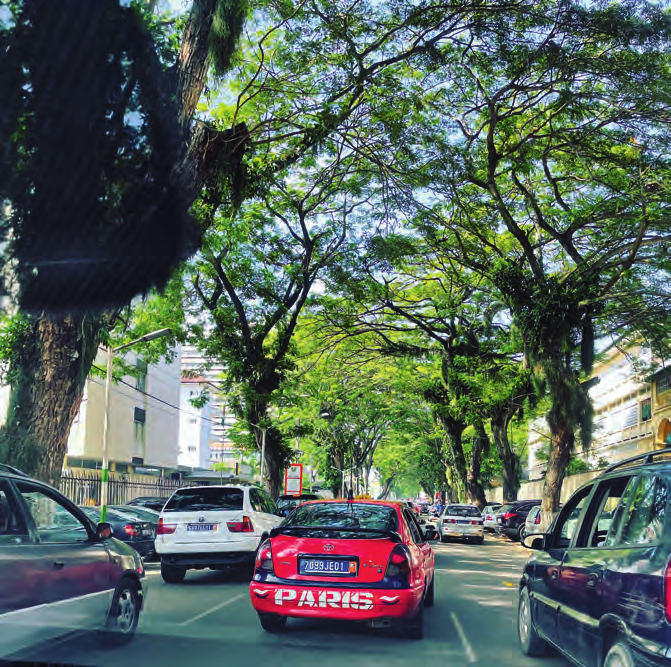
522 533
619 655
414 627
444 539
429 597
480 540
530 642
172 574
124 613
273 622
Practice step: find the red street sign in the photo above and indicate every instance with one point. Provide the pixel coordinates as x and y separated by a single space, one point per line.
293 480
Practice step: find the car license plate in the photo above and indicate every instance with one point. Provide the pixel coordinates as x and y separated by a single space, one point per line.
326 566
196 527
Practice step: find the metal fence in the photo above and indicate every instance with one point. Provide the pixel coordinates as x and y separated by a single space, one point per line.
84 489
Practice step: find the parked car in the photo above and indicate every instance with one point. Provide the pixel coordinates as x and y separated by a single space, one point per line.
152 502
364 560
511 518
532 525
598 586
489 517
462 521
143 513
135 532
59 571
286 504
216 527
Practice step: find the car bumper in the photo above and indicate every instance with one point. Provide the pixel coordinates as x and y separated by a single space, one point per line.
145 548
452 530
248 543
332 602
211 559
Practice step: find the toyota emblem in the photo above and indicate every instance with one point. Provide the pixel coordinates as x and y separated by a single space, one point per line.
328 547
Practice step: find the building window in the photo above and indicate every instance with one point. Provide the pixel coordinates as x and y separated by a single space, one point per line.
141 380
193 420
191 448
631 416
664 384
646 410
140 424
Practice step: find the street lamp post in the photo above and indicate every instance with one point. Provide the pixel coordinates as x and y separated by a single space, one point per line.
104 488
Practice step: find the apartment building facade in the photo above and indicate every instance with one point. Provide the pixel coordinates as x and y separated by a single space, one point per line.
144 419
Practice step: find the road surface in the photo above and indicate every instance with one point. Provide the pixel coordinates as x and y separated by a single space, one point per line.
209 618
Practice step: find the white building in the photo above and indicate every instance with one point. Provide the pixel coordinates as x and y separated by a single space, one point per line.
196 424
196 365
144 421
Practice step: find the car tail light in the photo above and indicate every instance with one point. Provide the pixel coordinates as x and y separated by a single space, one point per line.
165 528
537 520
399 562
131 530
667 592
474 523
489 518
509 515
244 526
264 558
449 521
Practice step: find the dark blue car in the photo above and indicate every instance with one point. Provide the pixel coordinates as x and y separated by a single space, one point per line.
598 587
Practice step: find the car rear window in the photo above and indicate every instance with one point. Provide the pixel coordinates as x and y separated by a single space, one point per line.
456 510
343 515
204 499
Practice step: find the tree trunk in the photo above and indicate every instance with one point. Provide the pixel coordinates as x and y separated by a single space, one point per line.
561 450
455 430
50 367
474 487
510 460
48 378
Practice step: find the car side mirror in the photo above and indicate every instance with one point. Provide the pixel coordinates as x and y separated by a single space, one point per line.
430 534
104 531
536 542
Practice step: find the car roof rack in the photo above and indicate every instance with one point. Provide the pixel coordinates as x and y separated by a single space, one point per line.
15 471
640 459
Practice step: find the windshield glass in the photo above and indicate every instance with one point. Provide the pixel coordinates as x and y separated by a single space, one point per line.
458 510
204 499
344 515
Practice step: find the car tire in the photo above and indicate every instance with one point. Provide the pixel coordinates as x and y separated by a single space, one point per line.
429 597
480 540
522 532
172 574
124 614
619 655
273 622
414 627
444 539
530 642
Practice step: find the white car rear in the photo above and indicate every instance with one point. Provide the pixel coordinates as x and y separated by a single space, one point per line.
461 521
215 527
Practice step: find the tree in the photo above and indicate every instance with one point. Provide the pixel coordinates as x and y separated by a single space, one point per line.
50 355
551 187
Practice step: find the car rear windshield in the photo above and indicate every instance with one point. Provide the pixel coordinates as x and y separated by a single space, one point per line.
204 499
456 510
343 516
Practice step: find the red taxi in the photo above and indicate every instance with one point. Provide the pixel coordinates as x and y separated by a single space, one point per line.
362 560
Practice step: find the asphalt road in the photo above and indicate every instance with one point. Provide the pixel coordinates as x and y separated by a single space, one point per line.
209 617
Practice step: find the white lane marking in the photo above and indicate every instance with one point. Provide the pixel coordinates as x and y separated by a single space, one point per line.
470 653
223 604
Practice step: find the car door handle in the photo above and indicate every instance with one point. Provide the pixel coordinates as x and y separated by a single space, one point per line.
58 565
593 580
